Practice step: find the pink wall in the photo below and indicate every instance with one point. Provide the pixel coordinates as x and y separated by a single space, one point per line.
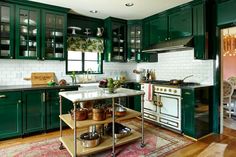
229 66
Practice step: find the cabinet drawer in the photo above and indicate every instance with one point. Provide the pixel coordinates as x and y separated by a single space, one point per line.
169 123
10 96
150 117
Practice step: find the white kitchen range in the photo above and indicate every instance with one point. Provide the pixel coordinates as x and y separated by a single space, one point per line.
162 103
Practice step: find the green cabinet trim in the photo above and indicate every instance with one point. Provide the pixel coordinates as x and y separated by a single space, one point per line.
11 114
226 12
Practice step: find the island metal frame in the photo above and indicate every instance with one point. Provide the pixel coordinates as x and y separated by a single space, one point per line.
127 93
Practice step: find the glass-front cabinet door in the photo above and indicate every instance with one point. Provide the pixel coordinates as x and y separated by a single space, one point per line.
134 40
27 32
118 42
54 35
7 33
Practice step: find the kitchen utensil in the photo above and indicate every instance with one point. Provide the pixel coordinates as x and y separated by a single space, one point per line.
177 82
100 31
90 139
120 110
97 128
57 34
58 55
80 114
99 114
34 32
74 29
29 53
120 130
24 29
31 22
59 45
5 42
5 52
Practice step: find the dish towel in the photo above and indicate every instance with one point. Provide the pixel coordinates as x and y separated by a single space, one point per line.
148 89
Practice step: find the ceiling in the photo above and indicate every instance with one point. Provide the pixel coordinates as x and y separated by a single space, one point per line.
116 8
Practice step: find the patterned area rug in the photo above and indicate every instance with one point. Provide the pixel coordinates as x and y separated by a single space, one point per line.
159 142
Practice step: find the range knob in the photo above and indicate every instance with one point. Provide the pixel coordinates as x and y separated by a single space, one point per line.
170 90
161 89
157 89
175 91
164 90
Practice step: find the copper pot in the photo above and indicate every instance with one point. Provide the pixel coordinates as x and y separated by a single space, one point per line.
80 114
99 114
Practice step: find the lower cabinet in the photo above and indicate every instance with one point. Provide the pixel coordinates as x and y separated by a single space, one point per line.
11 114
53 108
33 111
196 111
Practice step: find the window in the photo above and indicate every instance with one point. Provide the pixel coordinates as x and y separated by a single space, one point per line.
84 54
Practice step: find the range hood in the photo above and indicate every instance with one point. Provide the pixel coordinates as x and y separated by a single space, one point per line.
185 43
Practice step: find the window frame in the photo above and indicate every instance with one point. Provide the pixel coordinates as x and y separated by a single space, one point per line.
83 64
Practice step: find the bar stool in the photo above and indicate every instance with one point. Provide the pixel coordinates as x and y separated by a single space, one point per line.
232 80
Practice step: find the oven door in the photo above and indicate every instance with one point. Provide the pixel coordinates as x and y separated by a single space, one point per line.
169 106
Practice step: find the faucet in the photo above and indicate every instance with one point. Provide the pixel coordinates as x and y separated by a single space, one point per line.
89 70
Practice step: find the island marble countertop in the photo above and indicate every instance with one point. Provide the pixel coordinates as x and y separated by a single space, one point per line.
97 94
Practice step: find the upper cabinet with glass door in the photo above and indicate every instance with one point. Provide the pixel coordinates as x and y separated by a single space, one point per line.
54 35
27 32
7 33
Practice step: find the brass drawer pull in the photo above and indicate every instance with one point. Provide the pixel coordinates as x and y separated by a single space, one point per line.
2 96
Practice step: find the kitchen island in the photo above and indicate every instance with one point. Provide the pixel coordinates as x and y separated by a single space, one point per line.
74 148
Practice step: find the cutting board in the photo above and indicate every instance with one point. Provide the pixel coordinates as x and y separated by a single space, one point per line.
40 78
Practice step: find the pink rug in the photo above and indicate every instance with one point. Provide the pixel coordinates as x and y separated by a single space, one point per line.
159 142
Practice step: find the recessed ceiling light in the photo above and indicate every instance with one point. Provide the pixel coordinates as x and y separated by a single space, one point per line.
93 11
129 4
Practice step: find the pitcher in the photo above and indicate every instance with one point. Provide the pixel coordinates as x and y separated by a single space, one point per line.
100 31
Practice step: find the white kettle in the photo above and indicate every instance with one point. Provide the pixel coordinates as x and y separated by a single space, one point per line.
100 31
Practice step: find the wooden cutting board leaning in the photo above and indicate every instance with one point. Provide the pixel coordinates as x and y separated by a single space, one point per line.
41 78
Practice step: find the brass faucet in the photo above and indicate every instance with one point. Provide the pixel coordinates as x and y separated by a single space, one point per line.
89 71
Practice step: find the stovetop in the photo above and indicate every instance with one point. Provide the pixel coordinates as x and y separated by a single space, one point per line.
168 83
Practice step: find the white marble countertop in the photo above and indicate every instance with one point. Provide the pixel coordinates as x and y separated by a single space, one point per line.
98 93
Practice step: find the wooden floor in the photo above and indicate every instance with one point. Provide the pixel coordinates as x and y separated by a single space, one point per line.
229 137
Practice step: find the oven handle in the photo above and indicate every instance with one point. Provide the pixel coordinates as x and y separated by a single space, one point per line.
157 100
171 96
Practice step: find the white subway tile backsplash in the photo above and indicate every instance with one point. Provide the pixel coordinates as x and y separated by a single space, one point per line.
174 65
177 65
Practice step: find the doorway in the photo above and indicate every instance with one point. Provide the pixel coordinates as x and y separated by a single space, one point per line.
228 73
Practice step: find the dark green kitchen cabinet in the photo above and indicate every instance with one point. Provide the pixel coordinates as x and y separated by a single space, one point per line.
180 23
7 30
226 12
33 111
53 107
199 31
145 34
54 34
11 114
27 26
158 29
134 40
196 111
115 40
